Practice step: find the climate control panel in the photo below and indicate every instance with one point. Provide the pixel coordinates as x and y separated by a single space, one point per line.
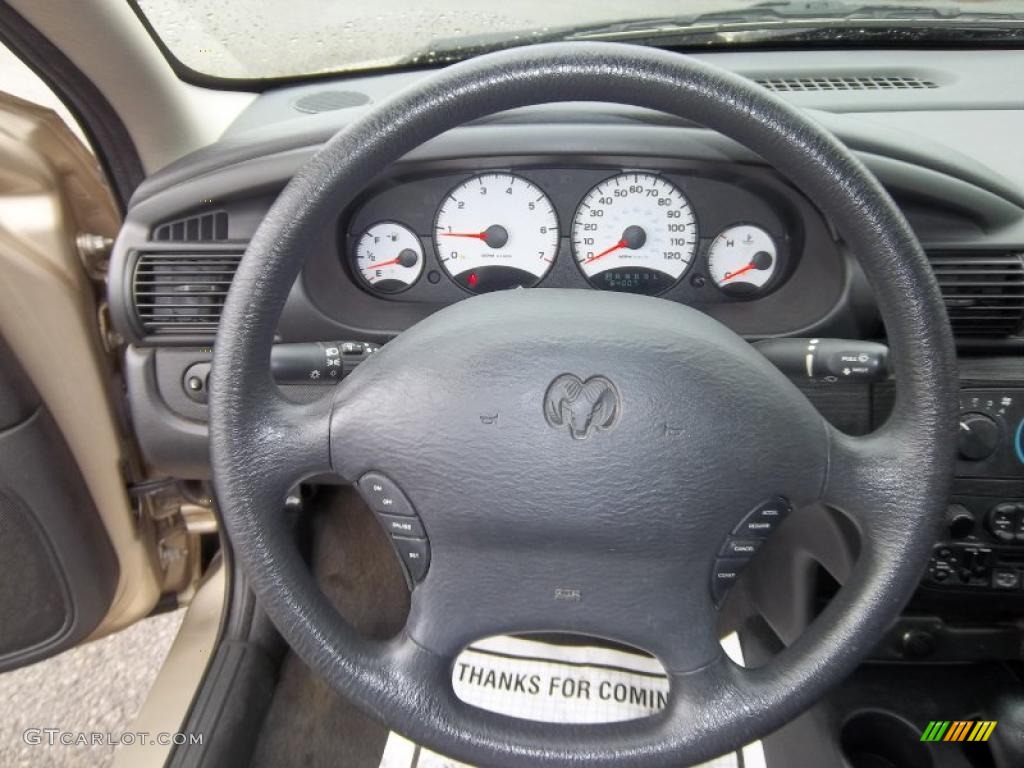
990 433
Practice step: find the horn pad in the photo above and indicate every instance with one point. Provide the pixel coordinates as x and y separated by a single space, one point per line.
581 406
590 419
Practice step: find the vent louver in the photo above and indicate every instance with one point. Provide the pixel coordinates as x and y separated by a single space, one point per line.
182 292
846 83
202 227
983 291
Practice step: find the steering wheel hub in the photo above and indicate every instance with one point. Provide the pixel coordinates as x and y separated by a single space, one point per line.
694 428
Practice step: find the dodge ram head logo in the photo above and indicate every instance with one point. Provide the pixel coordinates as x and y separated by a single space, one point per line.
582 406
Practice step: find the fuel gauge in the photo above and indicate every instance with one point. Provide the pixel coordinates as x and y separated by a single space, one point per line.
389 257
742 260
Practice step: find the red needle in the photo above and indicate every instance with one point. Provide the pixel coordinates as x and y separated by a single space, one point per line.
476 235
606 251
740 271
384 263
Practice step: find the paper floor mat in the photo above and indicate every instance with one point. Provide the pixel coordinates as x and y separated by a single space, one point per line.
557 683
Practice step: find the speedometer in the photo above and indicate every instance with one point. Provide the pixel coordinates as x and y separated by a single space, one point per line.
634 232
495 231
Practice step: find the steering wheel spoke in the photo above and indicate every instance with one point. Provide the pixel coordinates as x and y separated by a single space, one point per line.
866 479
284 442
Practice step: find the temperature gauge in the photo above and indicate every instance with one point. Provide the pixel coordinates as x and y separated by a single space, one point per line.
389 257
742 260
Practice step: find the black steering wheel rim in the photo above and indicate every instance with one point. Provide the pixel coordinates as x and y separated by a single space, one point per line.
894 482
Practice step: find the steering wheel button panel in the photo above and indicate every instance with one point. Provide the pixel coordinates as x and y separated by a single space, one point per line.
384 496
415 554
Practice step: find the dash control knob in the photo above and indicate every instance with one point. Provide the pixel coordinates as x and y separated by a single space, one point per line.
977 436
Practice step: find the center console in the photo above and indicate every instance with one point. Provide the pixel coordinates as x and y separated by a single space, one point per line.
982 549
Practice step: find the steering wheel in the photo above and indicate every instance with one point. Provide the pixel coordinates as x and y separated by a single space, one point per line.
604 520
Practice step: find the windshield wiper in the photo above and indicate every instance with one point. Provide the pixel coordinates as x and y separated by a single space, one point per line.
825 21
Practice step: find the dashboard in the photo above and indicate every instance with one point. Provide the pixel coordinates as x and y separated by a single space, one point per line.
604 197
592 197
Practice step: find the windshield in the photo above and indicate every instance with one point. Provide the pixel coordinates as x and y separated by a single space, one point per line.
256 39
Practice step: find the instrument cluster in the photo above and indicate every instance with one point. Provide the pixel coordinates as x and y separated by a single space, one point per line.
640 231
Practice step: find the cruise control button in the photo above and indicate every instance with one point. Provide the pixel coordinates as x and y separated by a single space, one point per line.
415 553
763 520
740 547
397 525
383 495
726 571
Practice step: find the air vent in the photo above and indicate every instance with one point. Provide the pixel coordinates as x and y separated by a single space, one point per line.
846 83
177 292
203 227
983 290
328 101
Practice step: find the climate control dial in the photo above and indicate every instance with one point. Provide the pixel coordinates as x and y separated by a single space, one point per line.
978 436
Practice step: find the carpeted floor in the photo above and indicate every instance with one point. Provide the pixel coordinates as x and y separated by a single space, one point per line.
308 724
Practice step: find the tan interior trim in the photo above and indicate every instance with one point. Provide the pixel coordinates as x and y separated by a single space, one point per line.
165 117
170 698
50 189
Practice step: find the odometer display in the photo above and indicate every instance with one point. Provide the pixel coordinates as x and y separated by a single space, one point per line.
496 231
634 232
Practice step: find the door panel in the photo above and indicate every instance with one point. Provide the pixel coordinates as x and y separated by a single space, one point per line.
75 560
58 571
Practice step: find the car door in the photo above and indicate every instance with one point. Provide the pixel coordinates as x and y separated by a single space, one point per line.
78 557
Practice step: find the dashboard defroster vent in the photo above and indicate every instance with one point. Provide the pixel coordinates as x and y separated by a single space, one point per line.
202 227
182 292
328 101
983 291
846 83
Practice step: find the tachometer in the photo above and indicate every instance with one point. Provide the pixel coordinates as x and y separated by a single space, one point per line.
495 231
634 232
389 257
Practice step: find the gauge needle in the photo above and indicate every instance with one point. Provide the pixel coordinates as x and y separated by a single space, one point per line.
406 258
633 237
740 271
761 260
621 244
495 236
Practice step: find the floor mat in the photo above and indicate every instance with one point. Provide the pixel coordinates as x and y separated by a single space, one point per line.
309 724
558 683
